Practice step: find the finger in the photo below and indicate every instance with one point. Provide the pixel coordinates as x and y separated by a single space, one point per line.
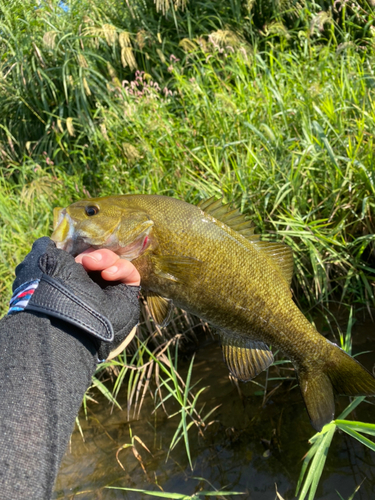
113 268
123 271
97 260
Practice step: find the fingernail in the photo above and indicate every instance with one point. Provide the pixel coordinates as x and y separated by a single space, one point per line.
97 256
112 270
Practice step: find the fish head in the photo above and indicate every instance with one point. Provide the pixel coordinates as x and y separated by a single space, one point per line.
102 223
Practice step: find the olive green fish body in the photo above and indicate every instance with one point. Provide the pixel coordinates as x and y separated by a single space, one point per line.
208 261
234 288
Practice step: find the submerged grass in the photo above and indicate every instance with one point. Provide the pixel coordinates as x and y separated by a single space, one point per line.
188 415
179 496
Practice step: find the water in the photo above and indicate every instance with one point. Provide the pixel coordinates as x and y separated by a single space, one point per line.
248 447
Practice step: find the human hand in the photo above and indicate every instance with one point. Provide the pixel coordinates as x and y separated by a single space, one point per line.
111 266
49 281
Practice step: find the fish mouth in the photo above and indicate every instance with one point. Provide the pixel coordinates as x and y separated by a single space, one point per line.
75 246
64 235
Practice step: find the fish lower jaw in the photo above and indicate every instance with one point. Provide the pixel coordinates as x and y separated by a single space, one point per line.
73 246
66 245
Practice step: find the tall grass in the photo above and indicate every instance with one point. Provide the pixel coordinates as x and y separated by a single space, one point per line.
286 134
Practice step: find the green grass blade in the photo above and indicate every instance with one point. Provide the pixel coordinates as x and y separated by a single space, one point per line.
362 439
352 406
159 494
322 442
102 388
356 426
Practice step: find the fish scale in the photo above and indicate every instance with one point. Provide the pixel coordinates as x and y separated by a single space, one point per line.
192 256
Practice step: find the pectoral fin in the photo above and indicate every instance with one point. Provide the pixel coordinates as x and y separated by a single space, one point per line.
175 267
160 308
245 358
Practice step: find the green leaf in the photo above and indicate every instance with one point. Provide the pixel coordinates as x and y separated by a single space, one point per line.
160 494
179 496
352 406
362 439
319 453
356 426
219 493
102 388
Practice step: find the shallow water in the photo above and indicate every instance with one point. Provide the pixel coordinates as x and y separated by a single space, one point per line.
248 447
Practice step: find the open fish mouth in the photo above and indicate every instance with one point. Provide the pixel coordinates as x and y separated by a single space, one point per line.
65 236
74 247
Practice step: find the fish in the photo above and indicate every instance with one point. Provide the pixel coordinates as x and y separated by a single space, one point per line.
207 260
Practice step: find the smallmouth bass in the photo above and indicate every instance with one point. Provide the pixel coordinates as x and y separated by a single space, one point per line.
208 261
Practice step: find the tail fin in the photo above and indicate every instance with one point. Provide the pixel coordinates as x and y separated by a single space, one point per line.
340 374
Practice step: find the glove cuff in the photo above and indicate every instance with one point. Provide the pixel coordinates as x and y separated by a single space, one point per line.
49 296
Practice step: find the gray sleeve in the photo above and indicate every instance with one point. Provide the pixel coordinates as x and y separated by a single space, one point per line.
45 369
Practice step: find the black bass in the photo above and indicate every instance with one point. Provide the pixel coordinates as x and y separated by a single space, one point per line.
208 261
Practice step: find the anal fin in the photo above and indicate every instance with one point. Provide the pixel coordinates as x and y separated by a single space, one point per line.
160 308
245 358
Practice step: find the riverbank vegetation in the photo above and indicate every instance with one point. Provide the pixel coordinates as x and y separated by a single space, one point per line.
272 108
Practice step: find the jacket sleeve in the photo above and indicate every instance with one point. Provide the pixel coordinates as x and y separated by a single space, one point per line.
45 368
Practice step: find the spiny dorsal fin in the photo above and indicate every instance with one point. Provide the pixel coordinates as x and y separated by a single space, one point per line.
245 358
230 216
280 254
160 308
204 204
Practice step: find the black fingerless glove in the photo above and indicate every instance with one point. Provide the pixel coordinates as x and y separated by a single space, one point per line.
49 281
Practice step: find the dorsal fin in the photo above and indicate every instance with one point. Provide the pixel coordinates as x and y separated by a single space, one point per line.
205 204
230 216
280 254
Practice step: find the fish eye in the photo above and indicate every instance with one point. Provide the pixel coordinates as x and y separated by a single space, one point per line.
91 210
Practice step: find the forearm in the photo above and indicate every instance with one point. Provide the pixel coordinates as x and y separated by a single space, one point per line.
44 373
